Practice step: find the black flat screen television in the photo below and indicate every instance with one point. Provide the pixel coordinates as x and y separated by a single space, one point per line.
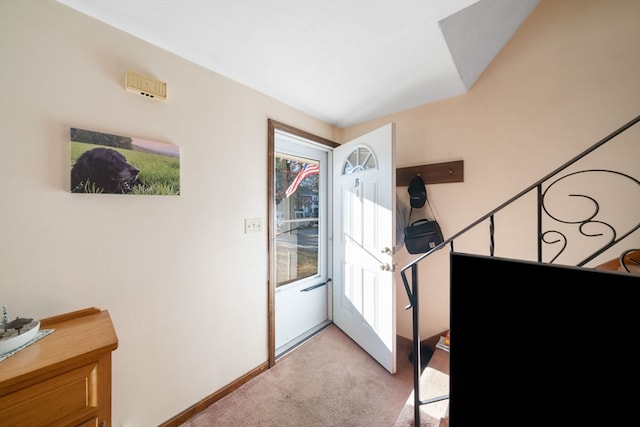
548 344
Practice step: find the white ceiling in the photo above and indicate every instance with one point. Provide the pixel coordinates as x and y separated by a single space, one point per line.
341 61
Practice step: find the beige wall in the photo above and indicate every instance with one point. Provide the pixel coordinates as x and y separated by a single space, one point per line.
185 287
190 315
566 79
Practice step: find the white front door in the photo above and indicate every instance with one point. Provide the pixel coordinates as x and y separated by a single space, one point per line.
363 241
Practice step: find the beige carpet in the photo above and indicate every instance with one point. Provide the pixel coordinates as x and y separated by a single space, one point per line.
327 381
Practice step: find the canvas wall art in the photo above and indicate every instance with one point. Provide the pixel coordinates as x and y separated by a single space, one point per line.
103 163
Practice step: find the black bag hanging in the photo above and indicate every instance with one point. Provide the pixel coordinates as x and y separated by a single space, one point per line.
421 235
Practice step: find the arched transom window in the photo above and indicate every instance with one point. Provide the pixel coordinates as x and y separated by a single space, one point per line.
359 160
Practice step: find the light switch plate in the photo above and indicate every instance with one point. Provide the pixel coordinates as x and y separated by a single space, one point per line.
252 225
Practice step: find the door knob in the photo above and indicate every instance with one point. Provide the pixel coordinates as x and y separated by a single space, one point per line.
387 267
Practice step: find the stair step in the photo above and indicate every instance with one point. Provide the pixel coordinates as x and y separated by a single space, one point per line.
434 382
631 259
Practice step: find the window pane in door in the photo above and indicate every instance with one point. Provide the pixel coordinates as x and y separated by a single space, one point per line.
359 160
297 207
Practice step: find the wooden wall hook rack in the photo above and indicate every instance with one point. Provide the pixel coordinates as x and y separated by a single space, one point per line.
434 173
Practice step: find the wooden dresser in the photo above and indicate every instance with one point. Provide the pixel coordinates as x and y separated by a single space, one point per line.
64 379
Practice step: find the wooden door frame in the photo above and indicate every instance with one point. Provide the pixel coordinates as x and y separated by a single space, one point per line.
274 126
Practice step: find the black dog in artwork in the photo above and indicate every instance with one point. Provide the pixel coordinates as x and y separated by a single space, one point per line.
103 170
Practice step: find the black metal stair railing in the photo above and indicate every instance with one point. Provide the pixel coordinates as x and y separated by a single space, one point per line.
588 226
